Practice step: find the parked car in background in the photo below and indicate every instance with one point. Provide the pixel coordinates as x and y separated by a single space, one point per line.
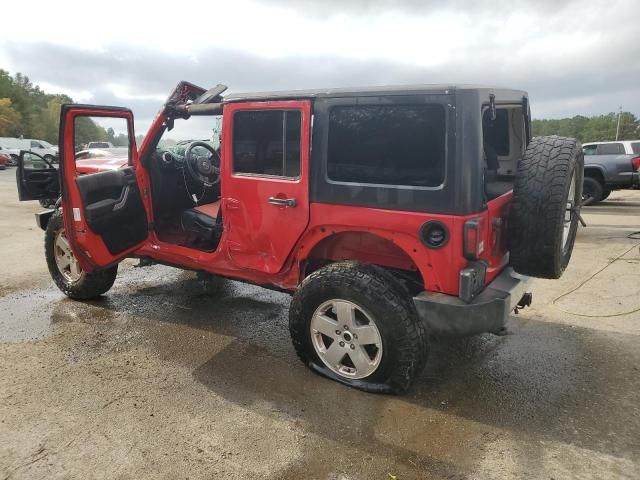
13 146
100 159
628 147
4 160
99 145
609 166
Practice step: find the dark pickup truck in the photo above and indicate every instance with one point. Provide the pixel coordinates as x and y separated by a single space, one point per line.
609 166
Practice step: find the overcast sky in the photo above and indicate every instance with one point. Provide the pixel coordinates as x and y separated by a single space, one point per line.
573 57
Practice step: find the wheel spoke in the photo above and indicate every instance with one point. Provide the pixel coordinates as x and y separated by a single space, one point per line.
63 244
366 335
74 268
63 262
360 359
346 314
334 354
325 325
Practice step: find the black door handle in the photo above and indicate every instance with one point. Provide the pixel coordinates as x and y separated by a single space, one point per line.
282 202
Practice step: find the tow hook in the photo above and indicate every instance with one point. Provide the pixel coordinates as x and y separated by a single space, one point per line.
525 301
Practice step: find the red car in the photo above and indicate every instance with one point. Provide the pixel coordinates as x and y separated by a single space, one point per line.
389 214
4 160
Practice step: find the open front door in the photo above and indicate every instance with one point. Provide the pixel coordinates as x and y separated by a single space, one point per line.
37 178
104 215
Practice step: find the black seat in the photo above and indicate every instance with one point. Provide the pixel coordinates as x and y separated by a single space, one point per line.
203 225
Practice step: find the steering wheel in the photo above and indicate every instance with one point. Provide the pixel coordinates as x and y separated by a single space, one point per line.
203 169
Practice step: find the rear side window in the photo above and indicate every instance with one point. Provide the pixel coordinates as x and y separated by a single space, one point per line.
635 147
387 144
610 148
496 131
267 142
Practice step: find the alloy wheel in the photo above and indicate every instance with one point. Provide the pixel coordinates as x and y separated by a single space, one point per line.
346 339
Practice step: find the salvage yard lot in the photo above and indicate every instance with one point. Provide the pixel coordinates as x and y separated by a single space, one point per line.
164 379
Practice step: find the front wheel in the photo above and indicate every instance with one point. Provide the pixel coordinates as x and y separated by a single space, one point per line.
65 270
355 324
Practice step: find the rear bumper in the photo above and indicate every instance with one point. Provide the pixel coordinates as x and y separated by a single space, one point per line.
625 180
488 312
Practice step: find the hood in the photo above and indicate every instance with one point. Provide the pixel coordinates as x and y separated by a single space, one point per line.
93 165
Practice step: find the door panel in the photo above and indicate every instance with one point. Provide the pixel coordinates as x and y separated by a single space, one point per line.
113 208
105 217
266 200
36 178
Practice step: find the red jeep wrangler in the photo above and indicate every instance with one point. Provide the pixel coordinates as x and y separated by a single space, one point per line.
389 214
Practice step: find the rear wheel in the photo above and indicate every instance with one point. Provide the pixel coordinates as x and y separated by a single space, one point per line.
65 270
592 191
14 160
355 324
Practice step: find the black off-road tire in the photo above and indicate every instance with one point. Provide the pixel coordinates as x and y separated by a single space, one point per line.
536 224
89 285
593 191
605 194
404 338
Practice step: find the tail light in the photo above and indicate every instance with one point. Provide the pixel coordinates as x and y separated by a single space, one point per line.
473 243
635 163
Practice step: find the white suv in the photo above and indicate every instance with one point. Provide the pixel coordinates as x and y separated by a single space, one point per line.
12 146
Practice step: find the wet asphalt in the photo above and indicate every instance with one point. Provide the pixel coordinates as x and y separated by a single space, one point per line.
169 377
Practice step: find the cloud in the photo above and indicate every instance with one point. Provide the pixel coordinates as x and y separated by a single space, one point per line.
143 78
572 57
368 7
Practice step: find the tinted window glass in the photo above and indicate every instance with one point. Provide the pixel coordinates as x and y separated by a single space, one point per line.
35 144
496 132
635 147
610 148
267 142
389 144
590 149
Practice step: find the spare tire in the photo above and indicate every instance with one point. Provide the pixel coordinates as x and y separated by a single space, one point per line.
547 197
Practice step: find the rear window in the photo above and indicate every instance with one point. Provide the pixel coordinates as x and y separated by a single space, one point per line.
610 148
387 144
635 147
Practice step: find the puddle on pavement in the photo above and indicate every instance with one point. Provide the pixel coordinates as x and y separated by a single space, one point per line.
27 315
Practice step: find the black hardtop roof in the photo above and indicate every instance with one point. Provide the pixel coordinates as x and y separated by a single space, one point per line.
426 89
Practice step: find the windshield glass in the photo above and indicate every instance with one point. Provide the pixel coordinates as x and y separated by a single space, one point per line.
204 129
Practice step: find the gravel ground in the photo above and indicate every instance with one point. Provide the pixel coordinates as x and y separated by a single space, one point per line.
162 378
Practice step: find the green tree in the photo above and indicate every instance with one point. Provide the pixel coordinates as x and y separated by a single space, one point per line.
591 129
9 119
